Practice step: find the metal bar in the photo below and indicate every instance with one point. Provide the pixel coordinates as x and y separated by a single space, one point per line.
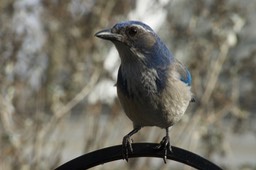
113 153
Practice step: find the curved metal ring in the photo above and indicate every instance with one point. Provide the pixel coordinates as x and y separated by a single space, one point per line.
113 153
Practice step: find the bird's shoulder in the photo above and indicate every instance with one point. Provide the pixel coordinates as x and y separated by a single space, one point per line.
182 72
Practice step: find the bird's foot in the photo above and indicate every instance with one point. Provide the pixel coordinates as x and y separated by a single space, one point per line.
127 143
127 146
165 146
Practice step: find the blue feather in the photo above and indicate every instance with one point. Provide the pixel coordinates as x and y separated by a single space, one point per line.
186 78
124 24
184 74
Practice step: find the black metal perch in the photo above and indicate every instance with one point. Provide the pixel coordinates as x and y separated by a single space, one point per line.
113 153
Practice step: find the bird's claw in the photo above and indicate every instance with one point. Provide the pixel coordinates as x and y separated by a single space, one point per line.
165 145
127 146
127 143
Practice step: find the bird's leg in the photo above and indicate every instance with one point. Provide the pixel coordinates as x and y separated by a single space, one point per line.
127 142
165 144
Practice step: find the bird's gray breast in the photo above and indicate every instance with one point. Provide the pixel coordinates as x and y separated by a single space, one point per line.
138 82
140 95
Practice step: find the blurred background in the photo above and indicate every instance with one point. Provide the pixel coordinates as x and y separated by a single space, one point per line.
57 94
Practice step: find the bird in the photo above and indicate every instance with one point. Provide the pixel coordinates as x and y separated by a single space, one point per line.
153 87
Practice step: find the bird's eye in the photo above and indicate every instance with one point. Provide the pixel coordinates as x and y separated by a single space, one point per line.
132 31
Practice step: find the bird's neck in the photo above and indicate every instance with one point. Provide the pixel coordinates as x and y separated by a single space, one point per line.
133 70
159 56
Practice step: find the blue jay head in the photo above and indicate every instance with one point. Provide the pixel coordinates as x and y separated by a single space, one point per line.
136 41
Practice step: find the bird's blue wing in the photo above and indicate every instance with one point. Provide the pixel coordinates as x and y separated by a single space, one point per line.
183 72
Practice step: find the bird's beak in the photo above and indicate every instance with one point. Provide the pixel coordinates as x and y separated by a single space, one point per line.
108 35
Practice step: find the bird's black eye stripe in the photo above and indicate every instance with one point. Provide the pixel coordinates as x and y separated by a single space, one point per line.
132 31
